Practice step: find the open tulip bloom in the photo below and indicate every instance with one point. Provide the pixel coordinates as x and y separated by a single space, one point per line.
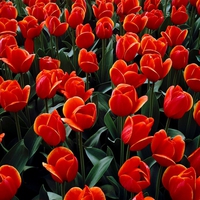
99 100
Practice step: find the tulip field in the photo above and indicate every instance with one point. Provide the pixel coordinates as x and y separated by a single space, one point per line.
100 100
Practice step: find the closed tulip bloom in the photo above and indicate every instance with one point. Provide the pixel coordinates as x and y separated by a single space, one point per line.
140 196
179 16
196 112
134 175
134 23
75 86
104 28
52 9
85 193
151 4
165 150
50 127
87 61
48 63
1 137
178 3
10 182
177 102
8 10
153 67
120 72
194 159
192 76
62 164
12 97
79 3
124 100
127 46
181 182
135 131
18 60
78 115
84 36
174 35
198 6
193 2
8 26
179 56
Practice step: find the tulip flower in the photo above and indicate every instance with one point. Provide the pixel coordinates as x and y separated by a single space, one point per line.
48 63
51 9
153 67
174 35
177 102
8 26
193 2
181 182
151 4
84 36
178 3
75 86
10 182
196 112
50 127
124 100
179 16
140 196
12 97
165 150
179 56
86 193
104 28
127 46
134 23
134 175
198 7
62 164
194 159
120 72
135 131
18 60
78 115
8 10
87 61
1 137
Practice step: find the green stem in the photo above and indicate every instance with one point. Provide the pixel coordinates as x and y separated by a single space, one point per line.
165 8
63 190
167 124
57 48
52 46
22 80
151 100
17 126
87 81
46 105
175 77
103 67
158 181
120 127
4 148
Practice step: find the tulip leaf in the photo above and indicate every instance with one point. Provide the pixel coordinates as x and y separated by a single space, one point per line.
174 132
98 171
15 198
109 191
43 193
17 156
54 196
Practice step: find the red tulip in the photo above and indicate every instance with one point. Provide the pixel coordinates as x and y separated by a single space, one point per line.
127 46
134 23
174 35
151 4
193 2
8 10
192 76
48 63
12 97
8 26
120 72
177 102
79 3
10 182
87 61
104 28
179 16
2 136
75 86
62 164
33 2
178 3
51 9
50 127
198 7
196 112
165 150
140 196
135 132
153 67
134 175
18 60
194 159
84 36
124 100
78 115
77 193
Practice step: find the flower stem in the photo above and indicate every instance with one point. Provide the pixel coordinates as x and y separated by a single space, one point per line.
167 124
120 126
46 105
103 59
158 183
17 126
87 81
63 189
151 100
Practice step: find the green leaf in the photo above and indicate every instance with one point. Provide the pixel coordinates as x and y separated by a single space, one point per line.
174 132
17 156
98 171
43 193
109 191
53 196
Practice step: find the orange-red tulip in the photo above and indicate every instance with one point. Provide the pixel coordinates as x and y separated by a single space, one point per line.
18 60
127 46
8 26
140 196
174 35
178 3
2 136
124 100
165 150
87 61
10 182
134 23
8 10
50 127
62 164
84 36
151 4
179 16
120 72
198 6
78 115
153 67
193 2
135 131
194 159
77 193
181 182
192 76
177 102
134 175
196 112
75 86
52 9
49 63
12 97
79 3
